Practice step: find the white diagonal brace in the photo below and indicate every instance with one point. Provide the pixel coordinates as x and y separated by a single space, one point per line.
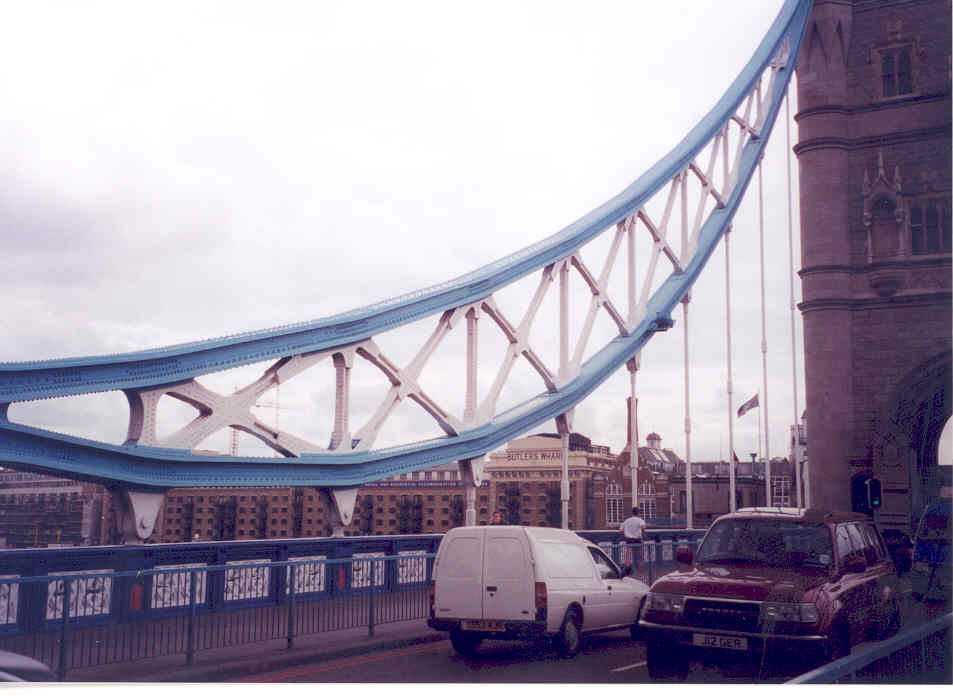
600 297
518 346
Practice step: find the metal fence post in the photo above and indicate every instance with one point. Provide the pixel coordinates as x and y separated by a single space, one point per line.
654 560
61 667
370 610
290 589
190 644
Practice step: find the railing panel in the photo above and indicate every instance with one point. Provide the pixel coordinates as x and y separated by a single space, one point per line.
412 568
171 589
249 580
9 600
90 596
309 577
366 574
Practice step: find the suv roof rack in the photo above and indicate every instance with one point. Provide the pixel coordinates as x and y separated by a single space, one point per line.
803 513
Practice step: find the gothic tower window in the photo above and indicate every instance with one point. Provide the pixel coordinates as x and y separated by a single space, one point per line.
883 233
896 71
930 227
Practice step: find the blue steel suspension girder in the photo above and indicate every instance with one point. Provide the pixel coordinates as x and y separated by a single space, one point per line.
24 381
159 468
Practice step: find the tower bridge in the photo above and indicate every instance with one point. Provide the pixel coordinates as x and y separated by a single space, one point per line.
876 301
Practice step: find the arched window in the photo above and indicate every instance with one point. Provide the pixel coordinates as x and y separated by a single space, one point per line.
884 235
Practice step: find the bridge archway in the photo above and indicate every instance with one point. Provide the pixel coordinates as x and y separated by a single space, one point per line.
906 454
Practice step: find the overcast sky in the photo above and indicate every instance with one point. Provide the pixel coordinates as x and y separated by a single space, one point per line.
179 171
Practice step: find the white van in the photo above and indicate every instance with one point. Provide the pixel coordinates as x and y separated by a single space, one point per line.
512 582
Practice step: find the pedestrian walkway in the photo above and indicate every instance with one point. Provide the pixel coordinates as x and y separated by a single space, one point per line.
225 664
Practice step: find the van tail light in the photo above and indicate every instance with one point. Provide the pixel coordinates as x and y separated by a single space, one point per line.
542 601
432 596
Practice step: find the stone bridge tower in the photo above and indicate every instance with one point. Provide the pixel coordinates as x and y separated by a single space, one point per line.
874 151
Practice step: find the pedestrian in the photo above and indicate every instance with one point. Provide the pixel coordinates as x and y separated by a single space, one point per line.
497 518
632 530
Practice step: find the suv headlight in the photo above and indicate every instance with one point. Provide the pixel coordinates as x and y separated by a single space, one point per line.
772 612
672 603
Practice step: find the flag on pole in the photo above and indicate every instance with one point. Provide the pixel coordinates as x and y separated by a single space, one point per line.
748 405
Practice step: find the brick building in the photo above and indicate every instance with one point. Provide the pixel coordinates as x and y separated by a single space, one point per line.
525 480
663 493
38 510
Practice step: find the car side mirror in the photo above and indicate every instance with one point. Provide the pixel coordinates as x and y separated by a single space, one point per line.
684 555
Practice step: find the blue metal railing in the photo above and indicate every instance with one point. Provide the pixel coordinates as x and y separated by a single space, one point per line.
118 582
920 654
85 606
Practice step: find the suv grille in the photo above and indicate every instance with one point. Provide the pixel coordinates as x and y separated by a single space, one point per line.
733 616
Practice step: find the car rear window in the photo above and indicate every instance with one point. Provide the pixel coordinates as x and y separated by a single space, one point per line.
774 542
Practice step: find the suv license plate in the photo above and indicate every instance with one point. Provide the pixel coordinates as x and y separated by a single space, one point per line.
708 640
483 625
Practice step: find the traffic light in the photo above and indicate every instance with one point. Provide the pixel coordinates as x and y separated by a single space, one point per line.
874 492
866 494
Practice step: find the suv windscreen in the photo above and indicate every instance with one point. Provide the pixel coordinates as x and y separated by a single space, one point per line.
773 542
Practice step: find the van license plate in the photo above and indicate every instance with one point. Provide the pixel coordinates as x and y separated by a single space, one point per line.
707 640
483 625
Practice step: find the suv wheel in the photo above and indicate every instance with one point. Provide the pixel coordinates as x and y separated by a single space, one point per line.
840 642
665 661
464 643
569 640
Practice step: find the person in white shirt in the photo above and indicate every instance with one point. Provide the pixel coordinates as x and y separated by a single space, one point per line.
632 529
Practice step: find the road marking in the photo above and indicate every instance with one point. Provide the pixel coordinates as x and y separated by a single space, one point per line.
342 663
628 667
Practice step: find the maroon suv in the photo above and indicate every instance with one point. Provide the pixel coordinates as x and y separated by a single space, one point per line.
773 586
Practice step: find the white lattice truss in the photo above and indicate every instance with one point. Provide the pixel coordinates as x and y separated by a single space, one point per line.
702 186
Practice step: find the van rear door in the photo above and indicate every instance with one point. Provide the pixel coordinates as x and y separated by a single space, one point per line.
459 575
508 581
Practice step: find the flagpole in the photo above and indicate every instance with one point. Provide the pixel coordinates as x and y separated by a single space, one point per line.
731 410
732 495
764 468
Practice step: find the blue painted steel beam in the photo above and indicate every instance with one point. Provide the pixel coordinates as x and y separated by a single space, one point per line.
149 467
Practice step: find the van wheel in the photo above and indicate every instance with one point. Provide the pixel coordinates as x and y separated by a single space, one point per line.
665 661
569 640
464 643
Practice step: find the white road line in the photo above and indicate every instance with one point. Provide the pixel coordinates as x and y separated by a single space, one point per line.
628 667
